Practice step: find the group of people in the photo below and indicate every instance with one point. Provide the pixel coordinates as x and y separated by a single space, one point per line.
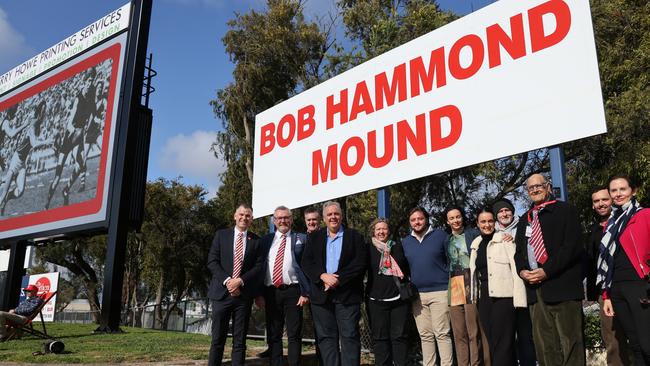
507 293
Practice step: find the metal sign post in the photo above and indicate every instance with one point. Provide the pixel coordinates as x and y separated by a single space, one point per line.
558 173
119 220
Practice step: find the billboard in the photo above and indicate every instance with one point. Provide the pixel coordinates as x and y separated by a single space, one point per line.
512 77
47 283
58 116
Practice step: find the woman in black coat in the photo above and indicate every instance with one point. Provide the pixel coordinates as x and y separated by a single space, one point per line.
388 314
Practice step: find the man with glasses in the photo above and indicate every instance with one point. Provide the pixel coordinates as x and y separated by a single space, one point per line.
554 274
286 289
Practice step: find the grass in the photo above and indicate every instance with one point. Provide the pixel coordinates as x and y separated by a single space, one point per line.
134 345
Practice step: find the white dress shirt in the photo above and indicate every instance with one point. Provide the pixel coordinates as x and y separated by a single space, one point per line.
289 276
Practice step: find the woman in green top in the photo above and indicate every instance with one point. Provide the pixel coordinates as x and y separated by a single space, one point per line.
463 314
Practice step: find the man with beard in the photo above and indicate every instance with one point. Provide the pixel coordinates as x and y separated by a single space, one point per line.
610 329
426 252
507 223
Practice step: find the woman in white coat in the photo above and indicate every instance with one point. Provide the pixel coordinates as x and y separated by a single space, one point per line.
497 288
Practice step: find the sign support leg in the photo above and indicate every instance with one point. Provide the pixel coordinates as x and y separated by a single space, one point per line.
383 202
558 172
15 274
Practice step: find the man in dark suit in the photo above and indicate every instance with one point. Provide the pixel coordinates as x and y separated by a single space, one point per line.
286 289
334 261
235 261
549 259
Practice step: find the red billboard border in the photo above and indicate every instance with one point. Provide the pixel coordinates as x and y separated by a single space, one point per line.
91 206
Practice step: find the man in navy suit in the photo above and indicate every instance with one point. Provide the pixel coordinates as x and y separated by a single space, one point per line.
286 289
335 261
235 261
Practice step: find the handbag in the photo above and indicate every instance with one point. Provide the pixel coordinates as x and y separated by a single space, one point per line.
407 291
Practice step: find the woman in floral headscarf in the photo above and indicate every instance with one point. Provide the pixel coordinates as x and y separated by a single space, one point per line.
387 312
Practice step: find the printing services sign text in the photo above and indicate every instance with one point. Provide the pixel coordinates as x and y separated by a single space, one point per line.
512 77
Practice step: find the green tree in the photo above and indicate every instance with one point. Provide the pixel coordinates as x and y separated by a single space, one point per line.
177 234
84 258
276 53
622 32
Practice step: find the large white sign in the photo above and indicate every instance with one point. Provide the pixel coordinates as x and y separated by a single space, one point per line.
512 77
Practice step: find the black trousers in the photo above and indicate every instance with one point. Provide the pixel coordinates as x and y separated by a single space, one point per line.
338 323
222 310
633 316
280 306
524 340
499 320
388 325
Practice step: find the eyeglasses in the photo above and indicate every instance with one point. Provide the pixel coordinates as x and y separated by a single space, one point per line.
535 187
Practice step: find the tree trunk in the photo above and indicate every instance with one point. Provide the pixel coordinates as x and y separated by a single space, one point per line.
159 295
249 142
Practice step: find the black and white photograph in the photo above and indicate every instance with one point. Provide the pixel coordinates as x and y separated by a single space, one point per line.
51 144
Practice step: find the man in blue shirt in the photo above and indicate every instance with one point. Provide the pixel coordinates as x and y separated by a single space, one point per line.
22 313
334 262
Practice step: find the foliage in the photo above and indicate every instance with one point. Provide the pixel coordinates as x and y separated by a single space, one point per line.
593 338
622 32
176 232
274 53
166 261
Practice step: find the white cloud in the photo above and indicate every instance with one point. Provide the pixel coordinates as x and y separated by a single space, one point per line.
190 157
12 43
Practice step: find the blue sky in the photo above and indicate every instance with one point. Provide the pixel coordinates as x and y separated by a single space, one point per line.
185 39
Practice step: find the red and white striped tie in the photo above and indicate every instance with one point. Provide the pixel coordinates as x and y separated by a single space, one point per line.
239 256
279 260
536 238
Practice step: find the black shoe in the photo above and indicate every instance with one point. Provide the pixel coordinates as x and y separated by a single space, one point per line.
264 354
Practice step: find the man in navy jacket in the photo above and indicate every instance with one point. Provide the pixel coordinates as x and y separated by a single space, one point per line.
335 261
235 261
286 289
